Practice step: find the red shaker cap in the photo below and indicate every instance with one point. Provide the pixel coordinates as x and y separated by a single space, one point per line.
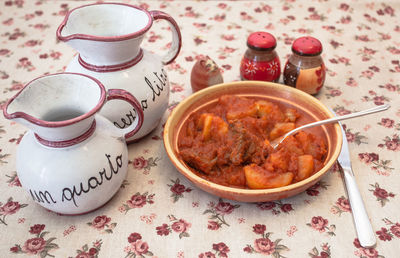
307 46
261 41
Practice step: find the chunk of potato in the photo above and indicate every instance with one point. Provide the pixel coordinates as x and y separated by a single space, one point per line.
305 166
311 144
259 178
222 126
264 108
279 161
212 124
280 129
207 120
291 115
237 107
269 111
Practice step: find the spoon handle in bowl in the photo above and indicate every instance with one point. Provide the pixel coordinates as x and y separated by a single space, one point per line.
339 118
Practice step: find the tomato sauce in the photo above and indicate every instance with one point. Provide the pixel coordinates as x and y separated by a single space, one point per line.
229 144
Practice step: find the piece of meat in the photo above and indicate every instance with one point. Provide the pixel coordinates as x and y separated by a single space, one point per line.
203 162
246 146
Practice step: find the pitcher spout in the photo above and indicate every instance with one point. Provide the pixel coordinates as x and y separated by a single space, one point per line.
105 34
57 107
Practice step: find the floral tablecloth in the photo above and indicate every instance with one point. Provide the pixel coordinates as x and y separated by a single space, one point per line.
157 212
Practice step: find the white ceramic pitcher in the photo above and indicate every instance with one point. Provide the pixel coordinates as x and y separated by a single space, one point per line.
72 160
108 37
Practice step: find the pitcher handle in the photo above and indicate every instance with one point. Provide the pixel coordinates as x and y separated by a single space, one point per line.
124 95
176 36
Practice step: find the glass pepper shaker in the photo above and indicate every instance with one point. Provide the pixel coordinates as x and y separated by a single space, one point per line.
305 69
260 61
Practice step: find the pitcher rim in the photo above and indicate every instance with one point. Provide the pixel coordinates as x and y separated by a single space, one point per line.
43 123
103 38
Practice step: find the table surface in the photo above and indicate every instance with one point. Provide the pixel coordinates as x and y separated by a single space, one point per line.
361 43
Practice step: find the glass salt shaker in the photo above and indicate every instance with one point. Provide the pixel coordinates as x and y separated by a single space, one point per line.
260 61
305 69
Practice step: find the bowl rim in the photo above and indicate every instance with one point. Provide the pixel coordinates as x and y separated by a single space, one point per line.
249 192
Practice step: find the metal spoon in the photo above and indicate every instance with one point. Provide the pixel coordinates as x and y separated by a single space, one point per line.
275 143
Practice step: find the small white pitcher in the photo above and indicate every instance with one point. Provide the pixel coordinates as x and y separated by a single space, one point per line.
108 37
72 160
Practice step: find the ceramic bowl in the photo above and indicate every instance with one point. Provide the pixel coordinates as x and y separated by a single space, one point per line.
311 108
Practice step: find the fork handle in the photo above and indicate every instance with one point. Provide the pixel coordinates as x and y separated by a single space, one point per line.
362 224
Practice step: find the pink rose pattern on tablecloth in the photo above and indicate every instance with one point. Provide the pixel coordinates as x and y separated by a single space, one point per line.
9 208
177 189
218 211
380 166
3 157
69 230
137 246
264 245
363 252
36 245
361 52
103 224
87 251
218 250
140 163
179 226
381 194
277 207
137 201
315 189
324 253
391 232
341 205
321 225
13 179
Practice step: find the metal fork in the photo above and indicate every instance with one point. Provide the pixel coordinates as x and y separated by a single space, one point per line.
275 143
